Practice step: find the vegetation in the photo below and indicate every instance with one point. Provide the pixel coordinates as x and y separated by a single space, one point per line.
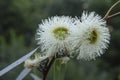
19 20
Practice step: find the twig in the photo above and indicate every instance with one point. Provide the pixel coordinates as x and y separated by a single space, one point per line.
106 15
112 16
48 68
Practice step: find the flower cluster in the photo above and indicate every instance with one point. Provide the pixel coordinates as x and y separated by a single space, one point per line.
63 36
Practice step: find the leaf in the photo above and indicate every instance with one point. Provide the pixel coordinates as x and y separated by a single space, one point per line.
35 77
16 63
23 74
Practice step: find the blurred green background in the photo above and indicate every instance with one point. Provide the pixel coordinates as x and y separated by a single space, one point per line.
19 20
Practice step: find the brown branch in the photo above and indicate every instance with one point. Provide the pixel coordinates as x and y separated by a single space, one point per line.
106 15
112 16
48 68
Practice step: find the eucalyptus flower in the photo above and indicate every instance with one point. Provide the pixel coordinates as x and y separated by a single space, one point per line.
54 35
93 36
30 63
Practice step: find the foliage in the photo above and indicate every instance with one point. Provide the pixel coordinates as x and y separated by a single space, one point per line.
19 20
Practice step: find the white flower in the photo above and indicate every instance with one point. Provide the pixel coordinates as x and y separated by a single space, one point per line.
93 36
30 63
54 35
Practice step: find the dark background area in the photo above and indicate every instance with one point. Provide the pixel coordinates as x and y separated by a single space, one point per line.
19 20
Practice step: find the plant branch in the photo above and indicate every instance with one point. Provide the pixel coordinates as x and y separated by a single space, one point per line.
106 15
112 16
48 68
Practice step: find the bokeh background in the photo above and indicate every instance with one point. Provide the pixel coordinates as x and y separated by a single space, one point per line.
19 20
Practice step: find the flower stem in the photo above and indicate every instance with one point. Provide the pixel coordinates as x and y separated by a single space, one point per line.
112 16
45 73
106 15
